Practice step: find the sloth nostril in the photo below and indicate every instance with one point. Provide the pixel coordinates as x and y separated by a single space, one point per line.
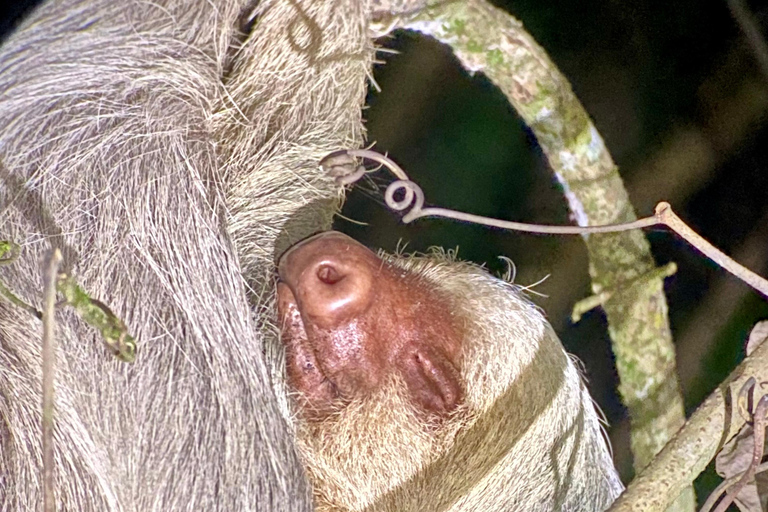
328 274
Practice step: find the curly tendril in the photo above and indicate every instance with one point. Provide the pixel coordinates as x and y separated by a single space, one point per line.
344 168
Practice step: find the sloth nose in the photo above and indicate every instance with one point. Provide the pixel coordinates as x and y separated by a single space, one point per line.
331 277
328 238
328 274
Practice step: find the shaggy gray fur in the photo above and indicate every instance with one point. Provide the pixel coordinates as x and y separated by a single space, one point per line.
169 156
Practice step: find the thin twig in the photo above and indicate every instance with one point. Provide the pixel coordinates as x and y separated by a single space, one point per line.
666 216
594 301
344 168
13 299
9 253
414 197
49 368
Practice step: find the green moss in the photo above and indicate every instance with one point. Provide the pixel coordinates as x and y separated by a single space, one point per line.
5 246
495 58
473 46
456 27
9 251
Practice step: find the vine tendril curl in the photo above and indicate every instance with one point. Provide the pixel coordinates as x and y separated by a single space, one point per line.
344 168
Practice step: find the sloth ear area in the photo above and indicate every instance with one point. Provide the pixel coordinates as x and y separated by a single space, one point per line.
432 379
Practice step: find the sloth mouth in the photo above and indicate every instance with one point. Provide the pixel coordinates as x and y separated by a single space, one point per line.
318 392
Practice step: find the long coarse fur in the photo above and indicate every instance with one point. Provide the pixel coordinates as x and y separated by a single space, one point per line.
169 148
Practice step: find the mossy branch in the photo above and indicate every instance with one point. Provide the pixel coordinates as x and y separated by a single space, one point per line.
689 452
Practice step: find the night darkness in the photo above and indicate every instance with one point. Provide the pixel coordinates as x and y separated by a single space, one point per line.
677 94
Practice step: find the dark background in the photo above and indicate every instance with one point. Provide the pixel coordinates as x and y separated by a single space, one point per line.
676 92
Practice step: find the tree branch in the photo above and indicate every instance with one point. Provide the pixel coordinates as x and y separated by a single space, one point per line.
690 450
